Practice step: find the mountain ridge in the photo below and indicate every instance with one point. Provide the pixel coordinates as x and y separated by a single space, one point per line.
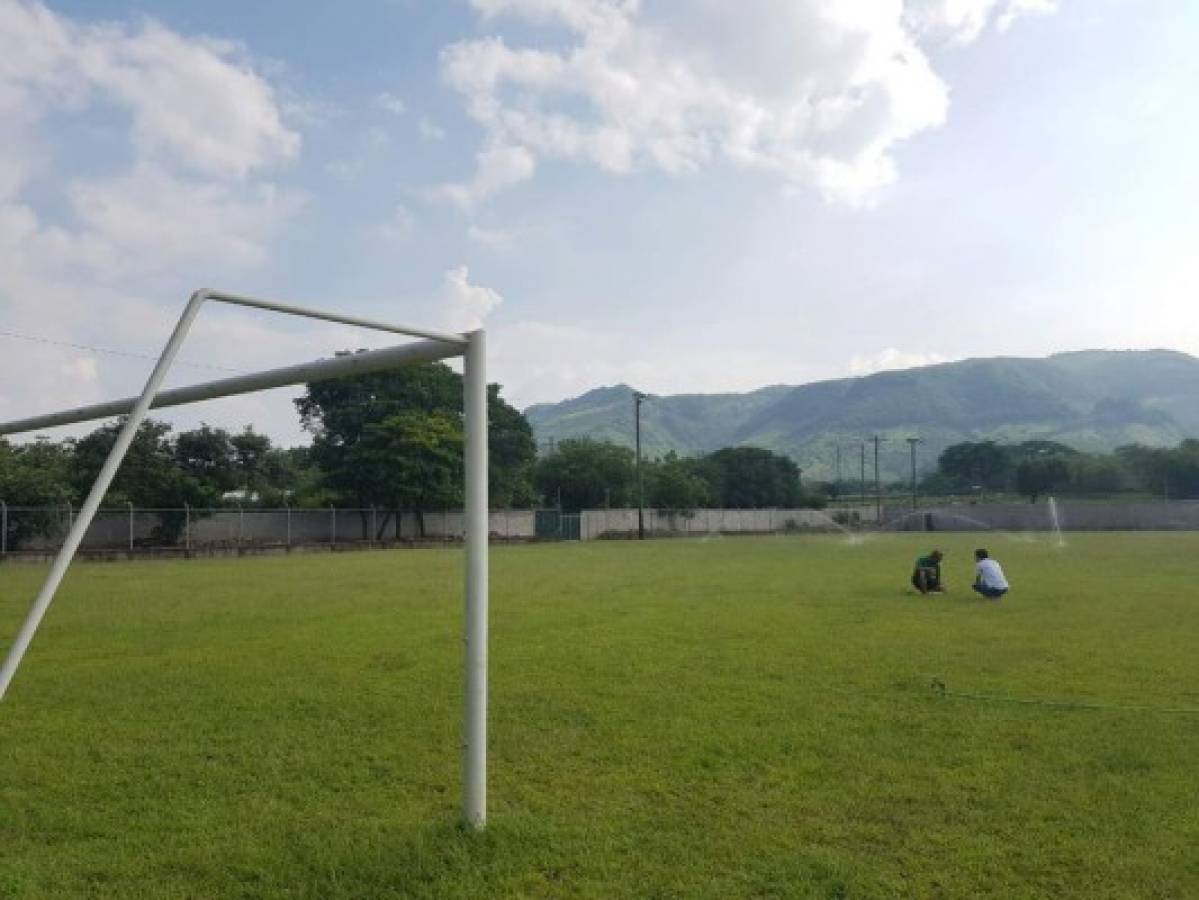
1091 399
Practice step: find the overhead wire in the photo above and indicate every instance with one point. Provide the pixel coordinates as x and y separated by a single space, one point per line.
36 339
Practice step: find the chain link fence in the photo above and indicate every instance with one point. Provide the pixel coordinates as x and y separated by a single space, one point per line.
38 532
1064 515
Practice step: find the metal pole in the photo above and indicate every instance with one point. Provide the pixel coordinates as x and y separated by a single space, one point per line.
638 397
474 764
332 526
107 472
3 528
912 442
318 370
187 527
878 485
436 346
241 525
130 502
288 508
374 524
863 482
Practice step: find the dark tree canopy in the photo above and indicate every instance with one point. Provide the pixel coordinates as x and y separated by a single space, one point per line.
340 414
587 474
33 475
984 464
678 483
1038 476
753 478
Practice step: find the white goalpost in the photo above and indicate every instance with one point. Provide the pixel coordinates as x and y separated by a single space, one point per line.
433 346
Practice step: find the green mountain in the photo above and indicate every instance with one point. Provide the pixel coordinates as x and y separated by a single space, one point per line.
1092 399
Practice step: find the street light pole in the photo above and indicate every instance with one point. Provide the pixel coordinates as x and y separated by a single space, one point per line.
862 483
878 485
638 397
912 442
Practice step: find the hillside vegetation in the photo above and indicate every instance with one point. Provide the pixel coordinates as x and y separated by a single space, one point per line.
1093 400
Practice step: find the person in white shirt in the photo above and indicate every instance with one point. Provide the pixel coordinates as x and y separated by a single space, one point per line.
988 576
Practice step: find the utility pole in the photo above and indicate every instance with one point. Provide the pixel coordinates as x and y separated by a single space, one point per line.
862 484
878 485
638 397
912 442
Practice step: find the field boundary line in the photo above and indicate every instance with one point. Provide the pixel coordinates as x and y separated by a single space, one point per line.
941 690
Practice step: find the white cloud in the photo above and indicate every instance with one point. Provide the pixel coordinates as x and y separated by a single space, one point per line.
490 237
391 103
1017 8
892 358
963 21
497 167
399 227
192 101
466 305
430 131
346 171
203 129
82 368
201 123
817 92
152 220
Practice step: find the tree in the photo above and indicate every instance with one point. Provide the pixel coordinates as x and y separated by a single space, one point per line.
676 483
35 476
1040 449
752 478
150 475
250 453
341 412
587 474
512 453
1097 474
292 479
1038 476
419 456
207 455
983 463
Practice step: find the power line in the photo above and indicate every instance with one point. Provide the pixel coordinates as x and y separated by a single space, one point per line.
34 339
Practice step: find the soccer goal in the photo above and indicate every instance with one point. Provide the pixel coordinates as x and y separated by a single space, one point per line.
432 346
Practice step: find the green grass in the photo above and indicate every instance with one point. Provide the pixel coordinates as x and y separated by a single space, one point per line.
721 718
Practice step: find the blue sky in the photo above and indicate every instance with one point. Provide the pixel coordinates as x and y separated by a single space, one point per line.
689 197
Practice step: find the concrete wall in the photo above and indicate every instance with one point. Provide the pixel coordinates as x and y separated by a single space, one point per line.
229 528
610 523
1072 516
111 529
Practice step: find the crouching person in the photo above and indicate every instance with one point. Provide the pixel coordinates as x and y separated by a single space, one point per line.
926 578
988 576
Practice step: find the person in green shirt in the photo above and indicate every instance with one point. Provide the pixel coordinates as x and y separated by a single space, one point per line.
926 577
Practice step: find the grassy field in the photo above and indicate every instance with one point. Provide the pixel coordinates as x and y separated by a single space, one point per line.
720 718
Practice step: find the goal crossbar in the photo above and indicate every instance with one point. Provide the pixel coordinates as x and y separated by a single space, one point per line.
434 346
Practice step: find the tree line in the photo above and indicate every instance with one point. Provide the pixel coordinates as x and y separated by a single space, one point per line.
581 473
389 441
1038 468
